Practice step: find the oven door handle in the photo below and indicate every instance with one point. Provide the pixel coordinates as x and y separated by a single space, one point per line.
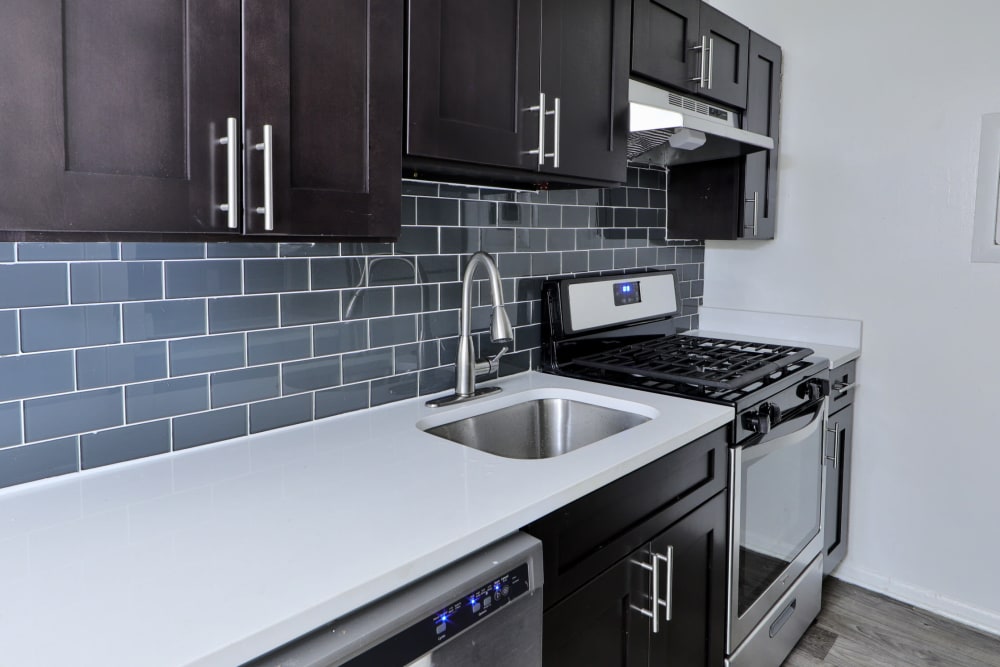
782 438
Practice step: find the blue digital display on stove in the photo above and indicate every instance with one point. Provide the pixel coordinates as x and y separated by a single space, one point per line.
626 293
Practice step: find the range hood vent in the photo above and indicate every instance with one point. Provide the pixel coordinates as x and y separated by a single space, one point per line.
667 128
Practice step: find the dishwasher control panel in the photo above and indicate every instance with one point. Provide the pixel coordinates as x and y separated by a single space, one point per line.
450 620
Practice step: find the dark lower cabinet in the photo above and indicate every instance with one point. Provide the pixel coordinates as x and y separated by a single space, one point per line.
123 118
838 459
608 621
600 553
599 624
695 589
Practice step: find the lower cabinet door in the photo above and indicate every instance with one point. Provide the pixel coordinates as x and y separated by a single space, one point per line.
601 623
692 582
839 429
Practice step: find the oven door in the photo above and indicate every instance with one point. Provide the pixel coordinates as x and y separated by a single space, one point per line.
775 519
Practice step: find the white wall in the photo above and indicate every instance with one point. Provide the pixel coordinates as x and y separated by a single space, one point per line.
879 148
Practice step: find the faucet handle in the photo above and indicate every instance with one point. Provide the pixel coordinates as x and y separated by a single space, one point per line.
491 365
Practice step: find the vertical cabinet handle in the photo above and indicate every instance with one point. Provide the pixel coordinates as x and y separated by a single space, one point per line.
756 210
667 602
654 586
267 146
540 109
230 141
711 60
557 114
835 459
702 78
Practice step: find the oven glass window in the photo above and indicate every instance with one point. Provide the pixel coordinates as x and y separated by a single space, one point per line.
780 511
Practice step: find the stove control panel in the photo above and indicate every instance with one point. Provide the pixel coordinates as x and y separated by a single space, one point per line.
627 293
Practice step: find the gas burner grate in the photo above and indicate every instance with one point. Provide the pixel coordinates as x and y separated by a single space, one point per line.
698 361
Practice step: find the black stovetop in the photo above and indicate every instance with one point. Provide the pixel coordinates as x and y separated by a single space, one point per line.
713 369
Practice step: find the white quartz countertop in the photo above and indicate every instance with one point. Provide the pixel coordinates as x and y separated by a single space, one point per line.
215 555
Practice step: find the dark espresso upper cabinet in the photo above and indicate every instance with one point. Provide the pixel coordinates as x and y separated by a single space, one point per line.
691 46
760 181
735 199
585 61
112 111
524 90
326 77
473 68
123 118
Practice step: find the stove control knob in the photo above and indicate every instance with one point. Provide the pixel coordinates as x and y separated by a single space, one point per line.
813 389
759 421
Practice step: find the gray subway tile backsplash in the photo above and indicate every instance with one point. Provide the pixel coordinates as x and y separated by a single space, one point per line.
25 285
245 385
112 351
102 282
71 414
156 320
31 375
124 444
212 426
120 364
166 398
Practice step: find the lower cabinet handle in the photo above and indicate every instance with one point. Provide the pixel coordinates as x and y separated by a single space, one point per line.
835 431
557 113
267 146
652 614
843 387
668 602
231 142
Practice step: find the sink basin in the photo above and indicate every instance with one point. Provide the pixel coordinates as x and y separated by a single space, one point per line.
538 429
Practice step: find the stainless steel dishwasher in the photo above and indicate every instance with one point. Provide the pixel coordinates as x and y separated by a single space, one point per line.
484 610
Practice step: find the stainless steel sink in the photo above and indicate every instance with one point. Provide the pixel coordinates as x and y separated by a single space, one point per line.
538 429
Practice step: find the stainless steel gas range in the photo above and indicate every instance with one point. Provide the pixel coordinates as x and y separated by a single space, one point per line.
618 330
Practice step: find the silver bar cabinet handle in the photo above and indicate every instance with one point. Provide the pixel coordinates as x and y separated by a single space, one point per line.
267 210
230 141
843 387
557 113
655 584
540 108
668 602
702 79
836 445
711 60
756 210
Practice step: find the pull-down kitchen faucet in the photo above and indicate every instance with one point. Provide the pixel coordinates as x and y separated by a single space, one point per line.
466 367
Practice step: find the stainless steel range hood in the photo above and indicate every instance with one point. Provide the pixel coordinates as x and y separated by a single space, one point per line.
667 128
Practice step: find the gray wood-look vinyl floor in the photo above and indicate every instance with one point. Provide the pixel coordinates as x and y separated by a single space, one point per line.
859 628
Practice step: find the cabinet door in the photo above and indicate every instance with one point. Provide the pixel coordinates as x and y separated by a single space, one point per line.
663 34
840 429
693 586
585 65
327 76
600 624
473 75
727 61
112 111
761 170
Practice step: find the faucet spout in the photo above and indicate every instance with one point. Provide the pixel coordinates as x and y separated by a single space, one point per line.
501 332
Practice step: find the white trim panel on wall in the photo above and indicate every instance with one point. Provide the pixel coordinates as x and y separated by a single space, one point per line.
986 230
